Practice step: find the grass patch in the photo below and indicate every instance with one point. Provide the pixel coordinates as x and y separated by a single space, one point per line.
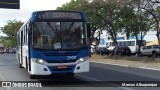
143 59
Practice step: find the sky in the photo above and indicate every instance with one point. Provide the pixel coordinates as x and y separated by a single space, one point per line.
26 8
150 36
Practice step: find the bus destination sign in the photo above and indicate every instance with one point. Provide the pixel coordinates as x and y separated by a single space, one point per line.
59 15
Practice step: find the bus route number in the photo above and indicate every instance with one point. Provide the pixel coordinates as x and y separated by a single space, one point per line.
71 57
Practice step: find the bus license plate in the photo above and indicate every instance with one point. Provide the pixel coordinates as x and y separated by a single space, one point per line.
62 67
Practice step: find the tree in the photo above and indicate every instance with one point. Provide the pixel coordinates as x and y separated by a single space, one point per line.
101 14
136 21
84 5
4 40
109 11
152 6
115 16
10 29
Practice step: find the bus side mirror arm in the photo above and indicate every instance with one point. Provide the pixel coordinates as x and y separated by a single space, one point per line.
88 30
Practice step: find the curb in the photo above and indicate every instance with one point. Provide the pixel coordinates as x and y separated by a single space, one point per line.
127 66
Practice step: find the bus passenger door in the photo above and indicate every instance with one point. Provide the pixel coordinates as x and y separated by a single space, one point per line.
21 51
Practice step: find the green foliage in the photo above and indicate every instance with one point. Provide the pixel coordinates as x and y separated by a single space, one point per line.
10 29
84 5
115 16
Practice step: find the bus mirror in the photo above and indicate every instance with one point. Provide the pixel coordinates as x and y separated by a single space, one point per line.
88 30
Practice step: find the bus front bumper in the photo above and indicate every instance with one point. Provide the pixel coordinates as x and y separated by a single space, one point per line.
53 68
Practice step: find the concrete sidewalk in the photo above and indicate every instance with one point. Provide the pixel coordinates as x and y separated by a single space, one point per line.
132 61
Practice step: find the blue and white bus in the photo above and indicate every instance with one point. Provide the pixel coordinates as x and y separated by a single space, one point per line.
131 43
54 42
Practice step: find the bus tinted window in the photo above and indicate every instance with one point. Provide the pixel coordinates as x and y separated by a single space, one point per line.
59 35
132 43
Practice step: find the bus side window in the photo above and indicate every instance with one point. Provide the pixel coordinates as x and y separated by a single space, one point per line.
129 43
120 43
123 43
132 43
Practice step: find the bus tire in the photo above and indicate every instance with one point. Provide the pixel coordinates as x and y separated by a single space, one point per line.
26 64
20 65
32 76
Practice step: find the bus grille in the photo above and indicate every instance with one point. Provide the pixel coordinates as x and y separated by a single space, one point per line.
61 61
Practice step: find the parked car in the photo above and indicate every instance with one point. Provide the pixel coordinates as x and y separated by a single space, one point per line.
13 50
7 51
1 50
151 50
102 50
97 50
122 51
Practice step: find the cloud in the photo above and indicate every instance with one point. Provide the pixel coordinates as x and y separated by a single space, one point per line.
27 7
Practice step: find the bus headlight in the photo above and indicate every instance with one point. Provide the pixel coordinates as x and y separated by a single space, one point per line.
83 59
39 61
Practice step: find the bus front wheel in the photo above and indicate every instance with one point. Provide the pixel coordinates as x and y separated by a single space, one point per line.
20 65
32 76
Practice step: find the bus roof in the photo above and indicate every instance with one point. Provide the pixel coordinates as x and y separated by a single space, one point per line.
58 15
57 11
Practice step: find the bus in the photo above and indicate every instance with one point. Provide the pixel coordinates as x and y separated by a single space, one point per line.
54 42
131 43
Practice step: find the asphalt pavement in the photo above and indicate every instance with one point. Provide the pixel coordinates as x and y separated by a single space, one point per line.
101 77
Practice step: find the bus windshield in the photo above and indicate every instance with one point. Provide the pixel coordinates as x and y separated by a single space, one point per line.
59 35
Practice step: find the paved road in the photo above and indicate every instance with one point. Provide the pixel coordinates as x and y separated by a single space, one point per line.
9 71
